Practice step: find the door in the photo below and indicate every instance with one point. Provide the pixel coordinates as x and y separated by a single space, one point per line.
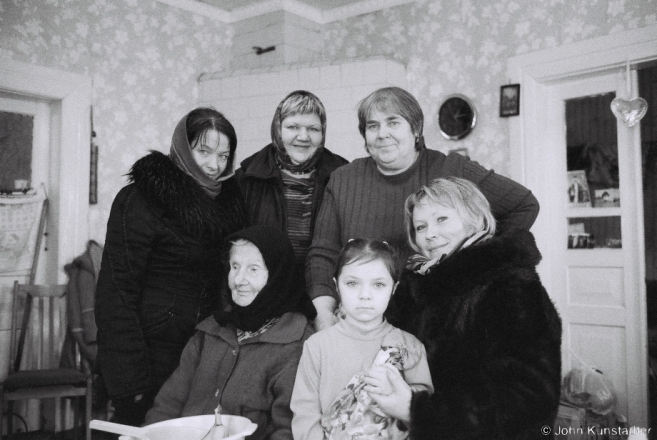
596 272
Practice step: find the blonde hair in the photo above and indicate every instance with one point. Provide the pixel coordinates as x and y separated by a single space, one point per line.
457 193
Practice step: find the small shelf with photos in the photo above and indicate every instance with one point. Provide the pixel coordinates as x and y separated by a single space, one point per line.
594 233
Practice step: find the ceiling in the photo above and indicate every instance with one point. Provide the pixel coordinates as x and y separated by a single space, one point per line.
319 11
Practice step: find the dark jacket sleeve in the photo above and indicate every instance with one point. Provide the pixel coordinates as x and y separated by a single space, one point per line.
131 233
513 205
513 387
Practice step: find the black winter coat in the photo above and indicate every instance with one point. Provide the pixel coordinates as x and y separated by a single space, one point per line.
261 183
161 272
493 340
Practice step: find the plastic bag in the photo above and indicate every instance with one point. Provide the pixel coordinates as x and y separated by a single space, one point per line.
588 388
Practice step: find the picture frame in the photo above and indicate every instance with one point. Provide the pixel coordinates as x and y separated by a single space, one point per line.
606 198
509 100
579 195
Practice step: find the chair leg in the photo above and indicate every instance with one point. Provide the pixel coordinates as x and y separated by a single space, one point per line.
76 416
10 417
88 402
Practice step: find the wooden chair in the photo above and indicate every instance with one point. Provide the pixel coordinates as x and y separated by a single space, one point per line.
47 382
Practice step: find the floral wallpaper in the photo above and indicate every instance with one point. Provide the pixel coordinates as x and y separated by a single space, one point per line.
462 46
144 59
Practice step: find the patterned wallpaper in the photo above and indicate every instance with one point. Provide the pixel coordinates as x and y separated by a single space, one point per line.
144 58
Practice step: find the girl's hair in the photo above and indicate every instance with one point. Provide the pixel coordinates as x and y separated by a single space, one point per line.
364 250
302 102
457 193
202 119
396 101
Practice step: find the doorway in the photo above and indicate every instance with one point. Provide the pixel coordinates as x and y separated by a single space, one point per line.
539 163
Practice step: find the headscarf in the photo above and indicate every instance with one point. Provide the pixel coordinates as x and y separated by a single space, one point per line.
282 158
285 288
422 265
181 154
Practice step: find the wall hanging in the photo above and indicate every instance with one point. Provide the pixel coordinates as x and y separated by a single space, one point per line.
630 111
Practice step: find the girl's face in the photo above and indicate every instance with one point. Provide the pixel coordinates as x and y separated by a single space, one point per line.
438 228
211 152
302 136
248 273
390 141
365 290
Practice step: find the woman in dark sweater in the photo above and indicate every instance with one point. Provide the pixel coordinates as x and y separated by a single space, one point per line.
492 334
283 184
160 273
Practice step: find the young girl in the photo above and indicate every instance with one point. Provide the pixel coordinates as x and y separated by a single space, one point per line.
329 400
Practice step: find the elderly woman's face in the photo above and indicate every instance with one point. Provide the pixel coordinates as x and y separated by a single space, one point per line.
248 273
390 141
211 152
438 228
302 136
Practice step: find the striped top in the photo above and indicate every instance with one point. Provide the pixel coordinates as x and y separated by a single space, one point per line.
298 194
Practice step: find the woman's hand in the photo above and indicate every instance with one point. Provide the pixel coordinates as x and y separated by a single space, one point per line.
386 386
325 306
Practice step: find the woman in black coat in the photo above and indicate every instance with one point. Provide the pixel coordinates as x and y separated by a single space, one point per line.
161 272
492 334
283 183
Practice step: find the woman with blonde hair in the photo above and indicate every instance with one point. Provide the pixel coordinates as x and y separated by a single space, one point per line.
492 334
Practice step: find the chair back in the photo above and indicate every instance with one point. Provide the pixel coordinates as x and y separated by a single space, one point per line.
38 326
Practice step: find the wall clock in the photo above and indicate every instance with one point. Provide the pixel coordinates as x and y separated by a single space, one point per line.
456 117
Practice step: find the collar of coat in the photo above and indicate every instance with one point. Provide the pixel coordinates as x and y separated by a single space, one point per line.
513 252
291 327
182 199
262 165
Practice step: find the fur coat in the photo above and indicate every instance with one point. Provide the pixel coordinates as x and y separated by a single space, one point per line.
161 271
493 340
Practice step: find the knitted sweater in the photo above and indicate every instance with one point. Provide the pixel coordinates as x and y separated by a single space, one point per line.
361 202
330 359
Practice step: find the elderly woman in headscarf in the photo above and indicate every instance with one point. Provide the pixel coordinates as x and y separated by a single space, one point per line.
160 275
245 357
283 184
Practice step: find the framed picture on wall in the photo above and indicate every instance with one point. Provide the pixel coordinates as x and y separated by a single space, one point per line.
510 100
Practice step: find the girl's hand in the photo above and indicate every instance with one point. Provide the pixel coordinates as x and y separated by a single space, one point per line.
386 386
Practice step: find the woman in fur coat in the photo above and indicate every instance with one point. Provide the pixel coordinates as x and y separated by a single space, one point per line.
492 334
161 270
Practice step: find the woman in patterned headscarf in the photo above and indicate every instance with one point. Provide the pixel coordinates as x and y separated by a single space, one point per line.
283 183
160 273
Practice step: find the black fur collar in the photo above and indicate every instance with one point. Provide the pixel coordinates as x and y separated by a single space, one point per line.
183 200
514 251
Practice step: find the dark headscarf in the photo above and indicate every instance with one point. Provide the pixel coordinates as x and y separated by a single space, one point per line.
281 155
285 288
181 155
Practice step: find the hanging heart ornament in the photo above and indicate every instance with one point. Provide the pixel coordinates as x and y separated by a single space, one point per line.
631 111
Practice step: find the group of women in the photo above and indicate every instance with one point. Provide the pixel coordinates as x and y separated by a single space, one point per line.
201 299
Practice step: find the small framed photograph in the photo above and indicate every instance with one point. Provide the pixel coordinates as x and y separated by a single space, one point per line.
606 198
579 195
510 100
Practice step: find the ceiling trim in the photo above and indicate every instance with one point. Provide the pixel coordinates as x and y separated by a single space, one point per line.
296 7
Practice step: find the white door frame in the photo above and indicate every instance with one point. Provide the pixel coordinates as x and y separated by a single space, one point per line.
70 97
535 72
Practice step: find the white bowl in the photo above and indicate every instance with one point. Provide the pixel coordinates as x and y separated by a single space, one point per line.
195 427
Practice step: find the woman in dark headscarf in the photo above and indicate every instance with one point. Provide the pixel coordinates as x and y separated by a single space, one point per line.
160 274
245 357
283 183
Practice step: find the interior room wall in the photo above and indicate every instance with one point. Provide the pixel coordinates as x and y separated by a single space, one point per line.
145 58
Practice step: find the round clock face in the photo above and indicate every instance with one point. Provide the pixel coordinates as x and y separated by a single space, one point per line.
456 117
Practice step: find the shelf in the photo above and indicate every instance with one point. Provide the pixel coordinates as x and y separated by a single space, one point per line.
593 212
